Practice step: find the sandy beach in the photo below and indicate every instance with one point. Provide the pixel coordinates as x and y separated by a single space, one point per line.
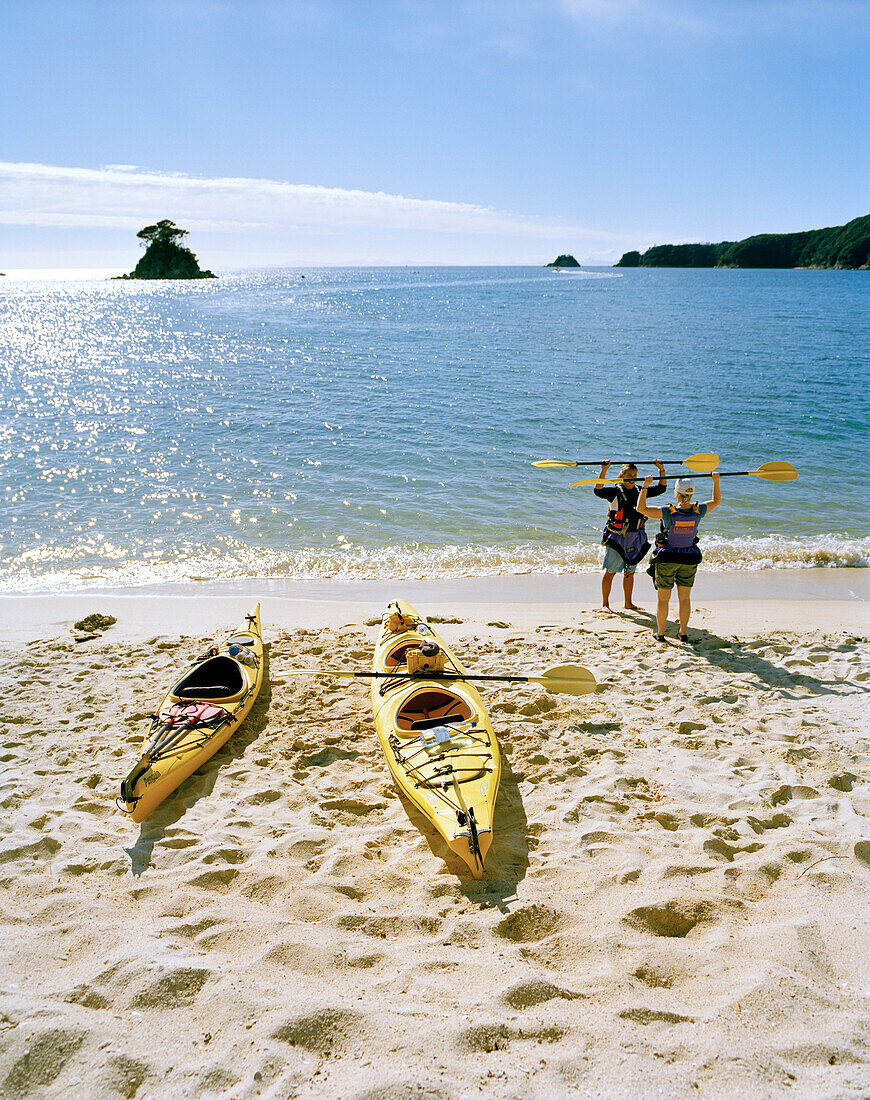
675 903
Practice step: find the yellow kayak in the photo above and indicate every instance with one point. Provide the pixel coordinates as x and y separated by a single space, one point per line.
196 718
436 734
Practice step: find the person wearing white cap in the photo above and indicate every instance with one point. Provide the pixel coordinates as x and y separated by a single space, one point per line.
676 557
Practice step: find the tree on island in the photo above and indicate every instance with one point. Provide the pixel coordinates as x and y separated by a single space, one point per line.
165 257
164 231
563 261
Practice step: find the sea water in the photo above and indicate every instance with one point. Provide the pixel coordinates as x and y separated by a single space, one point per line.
381 423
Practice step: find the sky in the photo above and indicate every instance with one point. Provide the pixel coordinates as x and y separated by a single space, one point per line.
324 132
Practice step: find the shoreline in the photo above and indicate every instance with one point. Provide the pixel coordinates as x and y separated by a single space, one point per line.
810 599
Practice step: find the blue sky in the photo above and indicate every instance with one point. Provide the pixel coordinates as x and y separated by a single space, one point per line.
413 131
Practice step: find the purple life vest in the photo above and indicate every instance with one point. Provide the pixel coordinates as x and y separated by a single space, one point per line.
681 533
630 545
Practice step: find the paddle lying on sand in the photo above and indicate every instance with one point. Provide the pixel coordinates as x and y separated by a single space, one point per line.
770 471
564 679
701 463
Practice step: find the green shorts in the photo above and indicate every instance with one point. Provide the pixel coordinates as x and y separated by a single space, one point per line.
670 572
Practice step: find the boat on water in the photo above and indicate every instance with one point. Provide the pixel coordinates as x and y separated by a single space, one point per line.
435 733
196 718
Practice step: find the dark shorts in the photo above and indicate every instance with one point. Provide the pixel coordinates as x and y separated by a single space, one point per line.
669 573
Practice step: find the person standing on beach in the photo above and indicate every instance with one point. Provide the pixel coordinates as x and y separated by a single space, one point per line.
676 557
624 536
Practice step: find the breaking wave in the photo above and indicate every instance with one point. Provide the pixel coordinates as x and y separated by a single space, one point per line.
93 567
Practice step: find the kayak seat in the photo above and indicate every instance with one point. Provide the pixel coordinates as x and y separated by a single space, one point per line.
217 678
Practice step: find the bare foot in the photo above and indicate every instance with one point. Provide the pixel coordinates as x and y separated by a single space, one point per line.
605 609
632 607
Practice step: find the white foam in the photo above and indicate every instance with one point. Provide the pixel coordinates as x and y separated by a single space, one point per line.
68 572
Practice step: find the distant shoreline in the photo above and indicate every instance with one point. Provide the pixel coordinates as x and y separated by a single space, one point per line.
837 247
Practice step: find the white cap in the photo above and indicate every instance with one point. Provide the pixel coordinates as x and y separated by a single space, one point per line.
684 486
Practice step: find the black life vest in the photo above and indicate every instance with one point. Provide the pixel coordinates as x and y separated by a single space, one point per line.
625 517
624 530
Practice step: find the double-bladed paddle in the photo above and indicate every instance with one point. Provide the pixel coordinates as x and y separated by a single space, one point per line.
770 471
564 679
701 463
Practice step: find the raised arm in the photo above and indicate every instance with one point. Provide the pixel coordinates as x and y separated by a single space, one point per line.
606 492
642 506
662 486
717 495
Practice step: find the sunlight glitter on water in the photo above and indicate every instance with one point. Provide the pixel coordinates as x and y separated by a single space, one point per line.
382 422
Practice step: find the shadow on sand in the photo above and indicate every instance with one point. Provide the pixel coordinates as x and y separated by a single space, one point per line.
739 657
202 782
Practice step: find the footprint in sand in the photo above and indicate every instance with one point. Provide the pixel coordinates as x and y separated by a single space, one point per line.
491 1037
654 1016
721 849
124 1076
675 918
216 879
530 924
325 1031
536 992
776 821
389 927
301 957
173 989
42 1061
353 807
86 996
786 793
658 971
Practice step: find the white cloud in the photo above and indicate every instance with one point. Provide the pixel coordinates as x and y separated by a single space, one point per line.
122 196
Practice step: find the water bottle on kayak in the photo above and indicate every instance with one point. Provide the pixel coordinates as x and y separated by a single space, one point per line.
242 654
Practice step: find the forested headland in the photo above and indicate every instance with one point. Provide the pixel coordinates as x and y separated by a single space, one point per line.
839 246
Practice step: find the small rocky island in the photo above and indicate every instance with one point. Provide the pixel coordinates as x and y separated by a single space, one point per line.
164 257
563 261
839 246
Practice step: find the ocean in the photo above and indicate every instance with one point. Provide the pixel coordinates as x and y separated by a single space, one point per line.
381 423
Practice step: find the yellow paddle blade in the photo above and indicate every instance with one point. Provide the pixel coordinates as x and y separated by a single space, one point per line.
567 680
702 464
546 463
596 481
776 471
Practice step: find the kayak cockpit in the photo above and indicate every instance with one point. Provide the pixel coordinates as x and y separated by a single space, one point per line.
217 678
399 655
430 703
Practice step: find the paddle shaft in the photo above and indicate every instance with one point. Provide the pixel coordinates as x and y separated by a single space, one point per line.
636 462
727 473
433 676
